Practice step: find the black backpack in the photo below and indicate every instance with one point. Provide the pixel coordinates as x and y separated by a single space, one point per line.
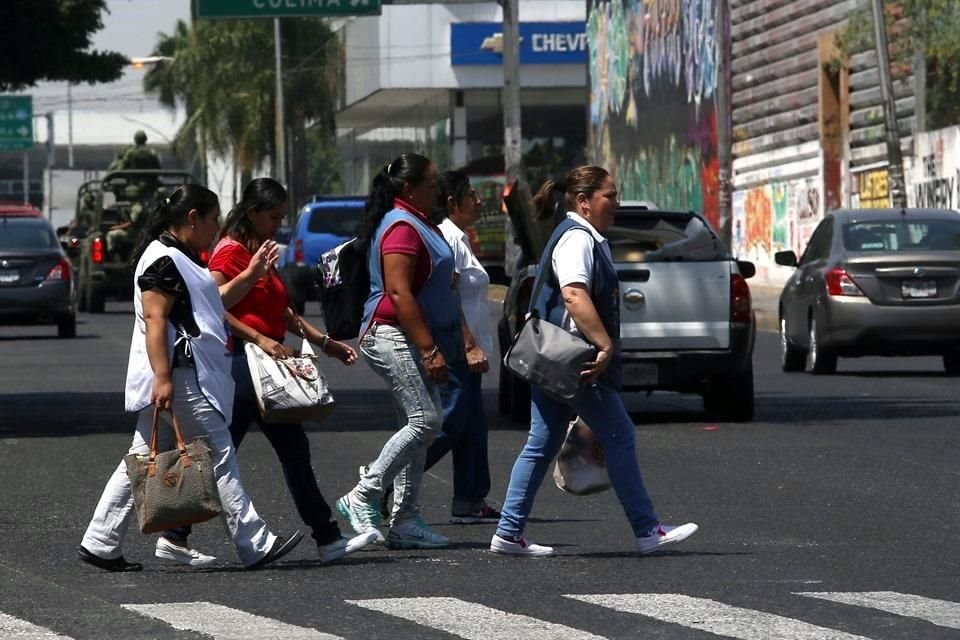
344 288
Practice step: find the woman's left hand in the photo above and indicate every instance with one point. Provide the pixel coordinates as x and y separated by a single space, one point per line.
341 351
477 360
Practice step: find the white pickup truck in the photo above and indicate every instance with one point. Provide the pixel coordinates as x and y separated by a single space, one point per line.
686 320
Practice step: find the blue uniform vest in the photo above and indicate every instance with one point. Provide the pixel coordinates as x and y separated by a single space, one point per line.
604 292
438 299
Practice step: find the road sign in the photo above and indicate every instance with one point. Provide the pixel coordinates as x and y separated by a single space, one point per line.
16 123
285 8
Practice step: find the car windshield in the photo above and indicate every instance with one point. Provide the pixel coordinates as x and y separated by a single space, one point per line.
660 238
26 236
337 221
902 235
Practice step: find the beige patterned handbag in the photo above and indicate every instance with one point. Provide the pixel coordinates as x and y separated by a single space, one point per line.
174 488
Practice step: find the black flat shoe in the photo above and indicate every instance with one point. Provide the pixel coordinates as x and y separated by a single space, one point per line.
116 565
281 547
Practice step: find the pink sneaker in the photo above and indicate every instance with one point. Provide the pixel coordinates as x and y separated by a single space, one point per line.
519 547
663 536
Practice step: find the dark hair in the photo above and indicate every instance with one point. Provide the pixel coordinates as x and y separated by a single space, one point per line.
587 180
171 213
260 194
450 184
409 168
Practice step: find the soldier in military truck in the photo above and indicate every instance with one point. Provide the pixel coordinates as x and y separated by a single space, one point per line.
139 156
122 235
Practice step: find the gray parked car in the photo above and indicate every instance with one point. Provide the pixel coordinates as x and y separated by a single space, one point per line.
881 282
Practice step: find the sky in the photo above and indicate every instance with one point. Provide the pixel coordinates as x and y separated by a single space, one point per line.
111 113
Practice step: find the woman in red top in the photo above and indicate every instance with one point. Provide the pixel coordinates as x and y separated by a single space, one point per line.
263 317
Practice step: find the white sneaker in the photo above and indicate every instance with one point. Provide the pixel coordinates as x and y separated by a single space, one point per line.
663 536
345 546
169 551
519 548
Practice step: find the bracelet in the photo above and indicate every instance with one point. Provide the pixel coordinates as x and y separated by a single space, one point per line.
430 355
324 341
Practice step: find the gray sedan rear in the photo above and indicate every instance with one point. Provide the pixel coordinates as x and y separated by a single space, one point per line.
880 282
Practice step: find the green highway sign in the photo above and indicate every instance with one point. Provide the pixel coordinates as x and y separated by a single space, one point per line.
285 8
16 123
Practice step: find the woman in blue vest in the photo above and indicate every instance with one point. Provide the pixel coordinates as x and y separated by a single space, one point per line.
580 293
411 330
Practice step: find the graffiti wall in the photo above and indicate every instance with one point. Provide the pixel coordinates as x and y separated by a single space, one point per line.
935 179
779 216
653 119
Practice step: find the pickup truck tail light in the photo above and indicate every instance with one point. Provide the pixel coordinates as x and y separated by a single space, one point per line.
740 303
96 251
298 251
205 256
839 283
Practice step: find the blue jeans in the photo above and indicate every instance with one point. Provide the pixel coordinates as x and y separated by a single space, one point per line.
293 450
465 434
602 409
394 358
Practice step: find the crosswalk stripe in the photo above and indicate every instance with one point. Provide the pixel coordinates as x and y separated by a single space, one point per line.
472 621
940 612
16 629
715 617
224 623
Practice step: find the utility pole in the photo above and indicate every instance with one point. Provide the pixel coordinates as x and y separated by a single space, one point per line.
51 160
895 180
69 124
280 151
512 134
724 114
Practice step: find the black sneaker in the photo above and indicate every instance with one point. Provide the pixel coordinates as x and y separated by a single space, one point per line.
281 547
484 515
117 565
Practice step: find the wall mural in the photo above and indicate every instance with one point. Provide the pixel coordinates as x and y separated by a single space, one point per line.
780 216
653 120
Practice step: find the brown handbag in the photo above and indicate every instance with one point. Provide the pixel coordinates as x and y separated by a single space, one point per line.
174 488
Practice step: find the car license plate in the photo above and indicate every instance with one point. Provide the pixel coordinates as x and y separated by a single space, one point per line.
9 276
640 374
919 289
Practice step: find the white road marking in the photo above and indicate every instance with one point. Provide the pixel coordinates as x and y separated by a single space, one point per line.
715 617
472 621
940 612
224 623
16 629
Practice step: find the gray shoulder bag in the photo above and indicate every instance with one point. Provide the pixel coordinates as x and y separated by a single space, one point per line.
548 356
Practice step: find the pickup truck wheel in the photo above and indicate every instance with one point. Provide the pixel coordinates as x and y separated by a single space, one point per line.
96 302
731 397
820 361
792 358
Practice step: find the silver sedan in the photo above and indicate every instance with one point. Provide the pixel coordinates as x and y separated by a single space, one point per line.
878 282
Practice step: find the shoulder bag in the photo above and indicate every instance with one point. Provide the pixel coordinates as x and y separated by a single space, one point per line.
290 390
174 488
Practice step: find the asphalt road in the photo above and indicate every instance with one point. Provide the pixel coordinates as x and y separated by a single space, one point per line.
845 487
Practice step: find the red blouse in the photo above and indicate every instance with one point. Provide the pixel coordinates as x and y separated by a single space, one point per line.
264 307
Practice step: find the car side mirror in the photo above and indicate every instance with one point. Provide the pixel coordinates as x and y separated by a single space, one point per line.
747 269
785 258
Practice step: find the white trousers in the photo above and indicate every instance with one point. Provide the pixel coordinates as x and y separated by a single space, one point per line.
197 417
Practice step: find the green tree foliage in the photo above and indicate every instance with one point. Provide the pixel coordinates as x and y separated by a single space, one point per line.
223 73
50 40
930 28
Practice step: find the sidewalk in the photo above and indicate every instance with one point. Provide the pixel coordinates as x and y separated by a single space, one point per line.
766 298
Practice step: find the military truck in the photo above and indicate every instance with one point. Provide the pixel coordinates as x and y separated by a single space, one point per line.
123 201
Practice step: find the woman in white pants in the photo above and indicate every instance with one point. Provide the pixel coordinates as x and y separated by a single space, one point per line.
180 362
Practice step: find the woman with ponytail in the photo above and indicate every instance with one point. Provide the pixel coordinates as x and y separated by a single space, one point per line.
411 331
579 291
263 315
179 362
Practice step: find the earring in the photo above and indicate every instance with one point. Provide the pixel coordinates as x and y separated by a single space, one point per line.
193 226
